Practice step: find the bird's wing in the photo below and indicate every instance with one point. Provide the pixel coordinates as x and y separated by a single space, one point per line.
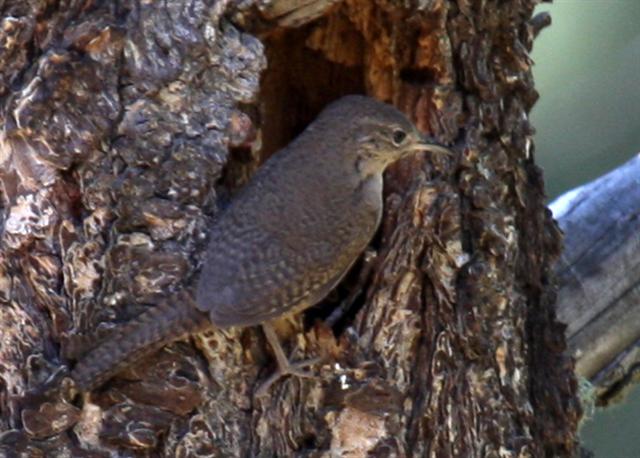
267 278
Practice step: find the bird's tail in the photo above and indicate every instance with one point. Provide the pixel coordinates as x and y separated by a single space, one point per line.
144 334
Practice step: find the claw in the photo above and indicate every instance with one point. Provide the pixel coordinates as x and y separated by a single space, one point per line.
285 367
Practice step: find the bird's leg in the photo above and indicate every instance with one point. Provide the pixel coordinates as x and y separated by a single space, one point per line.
285 367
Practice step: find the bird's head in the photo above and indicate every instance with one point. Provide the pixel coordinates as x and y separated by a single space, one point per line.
377 133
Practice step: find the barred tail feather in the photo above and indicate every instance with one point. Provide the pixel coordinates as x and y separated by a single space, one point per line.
139 337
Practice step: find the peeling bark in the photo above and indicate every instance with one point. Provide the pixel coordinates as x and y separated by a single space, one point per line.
125 128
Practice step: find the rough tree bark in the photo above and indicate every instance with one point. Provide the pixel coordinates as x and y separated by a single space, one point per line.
126 126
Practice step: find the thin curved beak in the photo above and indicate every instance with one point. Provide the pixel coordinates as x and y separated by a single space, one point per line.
432 145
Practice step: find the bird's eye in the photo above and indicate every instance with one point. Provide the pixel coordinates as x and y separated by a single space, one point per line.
399 136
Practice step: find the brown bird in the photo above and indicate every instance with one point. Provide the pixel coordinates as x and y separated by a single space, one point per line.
285 240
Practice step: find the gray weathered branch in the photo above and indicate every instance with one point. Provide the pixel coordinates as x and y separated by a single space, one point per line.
599 275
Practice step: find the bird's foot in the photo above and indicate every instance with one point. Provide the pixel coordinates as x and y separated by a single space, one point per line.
285 367
295 369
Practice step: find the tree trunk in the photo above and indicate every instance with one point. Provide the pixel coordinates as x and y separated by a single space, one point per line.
126 127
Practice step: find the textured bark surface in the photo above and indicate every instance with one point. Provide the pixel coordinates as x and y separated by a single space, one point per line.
125 128
598 278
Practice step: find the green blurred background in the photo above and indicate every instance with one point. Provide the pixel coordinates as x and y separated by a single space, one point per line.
588 122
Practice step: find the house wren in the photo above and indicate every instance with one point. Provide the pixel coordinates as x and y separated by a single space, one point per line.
286 239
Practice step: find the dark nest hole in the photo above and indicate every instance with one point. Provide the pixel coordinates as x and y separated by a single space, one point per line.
298 83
